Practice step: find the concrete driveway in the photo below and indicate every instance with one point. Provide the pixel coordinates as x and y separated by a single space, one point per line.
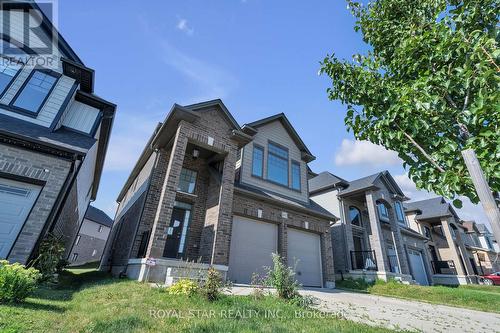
397 313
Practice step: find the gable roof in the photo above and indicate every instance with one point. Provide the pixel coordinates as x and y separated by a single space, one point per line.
252 128
215 102
430 208
98 216
325 180
369 182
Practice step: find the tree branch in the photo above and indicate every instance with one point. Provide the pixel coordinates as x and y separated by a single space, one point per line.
490 58
466 100
422 150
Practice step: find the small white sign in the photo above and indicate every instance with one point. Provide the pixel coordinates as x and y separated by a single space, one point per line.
210 141
177 223
170 231
151 261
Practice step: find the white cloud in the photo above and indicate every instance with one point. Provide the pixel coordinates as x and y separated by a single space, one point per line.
184 26
354 152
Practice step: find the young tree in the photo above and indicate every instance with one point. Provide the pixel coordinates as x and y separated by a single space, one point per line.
428 88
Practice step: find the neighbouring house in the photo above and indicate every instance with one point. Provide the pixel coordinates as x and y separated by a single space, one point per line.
487 239
373 239
437 220
91 239
54 133
206 191
480 247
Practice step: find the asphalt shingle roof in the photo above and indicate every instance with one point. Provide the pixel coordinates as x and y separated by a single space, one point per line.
98 216
430 208
361 183
324 180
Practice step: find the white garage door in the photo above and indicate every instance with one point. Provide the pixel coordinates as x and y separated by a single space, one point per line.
417 267
16 200
304 254
252 243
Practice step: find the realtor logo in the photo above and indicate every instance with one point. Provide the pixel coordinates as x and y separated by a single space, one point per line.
28 31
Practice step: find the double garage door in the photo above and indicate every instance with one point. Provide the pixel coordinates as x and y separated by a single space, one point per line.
16 200
253 242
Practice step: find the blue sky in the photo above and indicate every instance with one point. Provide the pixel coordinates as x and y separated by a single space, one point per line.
260 57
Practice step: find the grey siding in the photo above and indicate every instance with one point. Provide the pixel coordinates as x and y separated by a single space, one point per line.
276 133
80 116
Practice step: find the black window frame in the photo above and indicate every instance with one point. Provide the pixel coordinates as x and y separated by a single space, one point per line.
261 148
429 230
269 152
359 215
195 181
26 112
296 163
399 205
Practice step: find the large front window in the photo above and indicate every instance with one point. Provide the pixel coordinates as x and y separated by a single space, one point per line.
383 213
35 91
187 181
8 69
277 164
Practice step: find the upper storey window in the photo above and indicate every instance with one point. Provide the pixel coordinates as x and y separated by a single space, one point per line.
35 91
383 212
400 214
296 175
258 161
355 216
187 181
8 69
277 164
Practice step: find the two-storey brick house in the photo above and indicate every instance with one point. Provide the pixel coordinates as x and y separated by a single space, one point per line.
208 191
54 134
373 239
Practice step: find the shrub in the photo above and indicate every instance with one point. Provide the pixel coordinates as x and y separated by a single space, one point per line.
282 278
213 286
183 287
49 257
16 281
258 283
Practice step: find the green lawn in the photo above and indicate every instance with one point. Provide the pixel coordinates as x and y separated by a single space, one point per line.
476 297
89 301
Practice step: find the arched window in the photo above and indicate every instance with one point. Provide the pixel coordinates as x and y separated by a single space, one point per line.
355 216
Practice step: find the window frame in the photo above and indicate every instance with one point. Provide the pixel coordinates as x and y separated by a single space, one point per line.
292 164
398 207
258 147
195 181
359 215
269 143
426 228
13 79
385 218
27 112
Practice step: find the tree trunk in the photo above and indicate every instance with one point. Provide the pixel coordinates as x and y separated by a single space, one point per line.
483 191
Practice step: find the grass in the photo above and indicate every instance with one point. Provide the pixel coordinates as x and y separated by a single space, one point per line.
476 297
89 301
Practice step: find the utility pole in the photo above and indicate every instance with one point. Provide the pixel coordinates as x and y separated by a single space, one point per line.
483 191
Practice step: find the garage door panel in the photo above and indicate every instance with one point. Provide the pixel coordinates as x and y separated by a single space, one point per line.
16 200
417 267
304 255
252 243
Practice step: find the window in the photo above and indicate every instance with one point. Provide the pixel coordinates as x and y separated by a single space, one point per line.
383 213
488 241
74 257
99 229
400 213
77 239
187 181
427 232
355 216
258 161
8 69
296 175
277 164
35 91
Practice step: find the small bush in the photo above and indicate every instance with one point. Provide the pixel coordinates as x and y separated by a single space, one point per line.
213 286
259 284
49 258
183 287
357 284
16 281
282 278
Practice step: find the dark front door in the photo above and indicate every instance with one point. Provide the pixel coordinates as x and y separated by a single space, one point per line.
175 233
358 252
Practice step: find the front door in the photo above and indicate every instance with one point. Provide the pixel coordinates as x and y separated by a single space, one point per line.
358 252
176 233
